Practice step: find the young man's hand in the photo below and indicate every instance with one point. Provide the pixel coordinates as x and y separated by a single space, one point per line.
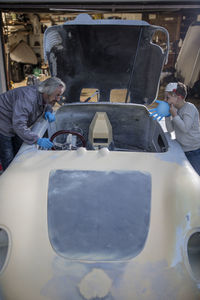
173 110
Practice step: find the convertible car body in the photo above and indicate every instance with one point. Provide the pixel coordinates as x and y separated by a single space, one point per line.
113 211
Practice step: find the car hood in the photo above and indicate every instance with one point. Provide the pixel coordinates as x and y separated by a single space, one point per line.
106 55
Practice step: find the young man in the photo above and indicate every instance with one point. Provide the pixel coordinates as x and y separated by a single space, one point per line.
19 109
184 120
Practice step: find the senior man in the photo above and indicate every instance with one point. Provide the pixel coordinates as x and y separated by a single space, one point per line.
19 109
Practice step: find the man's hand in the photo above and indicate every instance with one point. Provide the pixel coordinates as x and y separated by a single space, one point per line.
173 110
45 143
49 116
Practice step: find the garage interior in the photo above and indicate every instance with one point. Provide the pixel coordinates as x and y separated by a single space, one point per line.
23 28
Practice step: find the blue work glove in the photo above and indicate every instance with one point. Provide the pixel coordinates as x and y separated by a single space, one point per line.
162 110
45 143
49 116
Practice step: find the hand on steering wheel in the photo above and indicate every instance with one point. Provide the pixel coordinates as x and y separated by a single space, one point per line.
57 133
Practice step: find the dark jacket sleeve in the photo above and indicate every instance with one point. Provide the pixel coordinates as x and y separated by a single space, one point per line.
23 110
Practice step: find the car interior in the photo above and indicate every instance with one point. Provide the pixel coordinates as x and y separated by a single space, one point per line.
117 126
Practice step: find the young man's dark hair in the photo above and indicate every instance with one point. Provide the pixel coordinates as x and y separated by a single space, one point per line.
181 90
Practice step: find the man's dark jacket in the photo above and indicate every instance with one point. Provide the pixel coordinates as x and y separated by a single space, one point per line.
19 109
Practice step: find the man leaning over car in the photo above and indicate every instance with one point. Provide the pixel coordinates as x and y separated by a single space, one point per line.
19 109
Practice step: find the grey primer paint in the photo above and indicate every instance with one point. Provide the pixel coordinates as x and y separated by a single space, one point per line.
133 128
98 215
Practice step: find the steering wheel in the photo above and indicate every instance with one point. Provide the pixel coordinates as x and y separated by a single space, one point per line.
57 133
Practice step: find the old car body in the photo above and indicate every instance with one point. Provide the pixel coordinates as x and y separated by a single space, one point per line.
113 212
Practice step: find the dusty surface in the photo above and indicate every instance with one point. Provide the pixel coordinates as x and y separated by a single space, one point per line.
95 284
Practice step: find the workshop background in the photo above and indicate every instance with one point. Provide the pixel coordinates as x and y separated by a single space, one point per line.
23 27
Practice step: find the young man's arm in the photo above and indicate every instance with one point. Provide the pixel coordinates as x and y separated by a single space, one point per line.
184 124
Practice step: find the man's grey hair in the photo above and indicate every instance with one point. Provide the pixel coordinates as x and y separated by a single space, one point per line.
49 85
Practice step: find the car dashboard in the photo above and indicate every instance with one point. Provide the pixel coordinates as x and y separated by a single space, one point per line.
116 126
